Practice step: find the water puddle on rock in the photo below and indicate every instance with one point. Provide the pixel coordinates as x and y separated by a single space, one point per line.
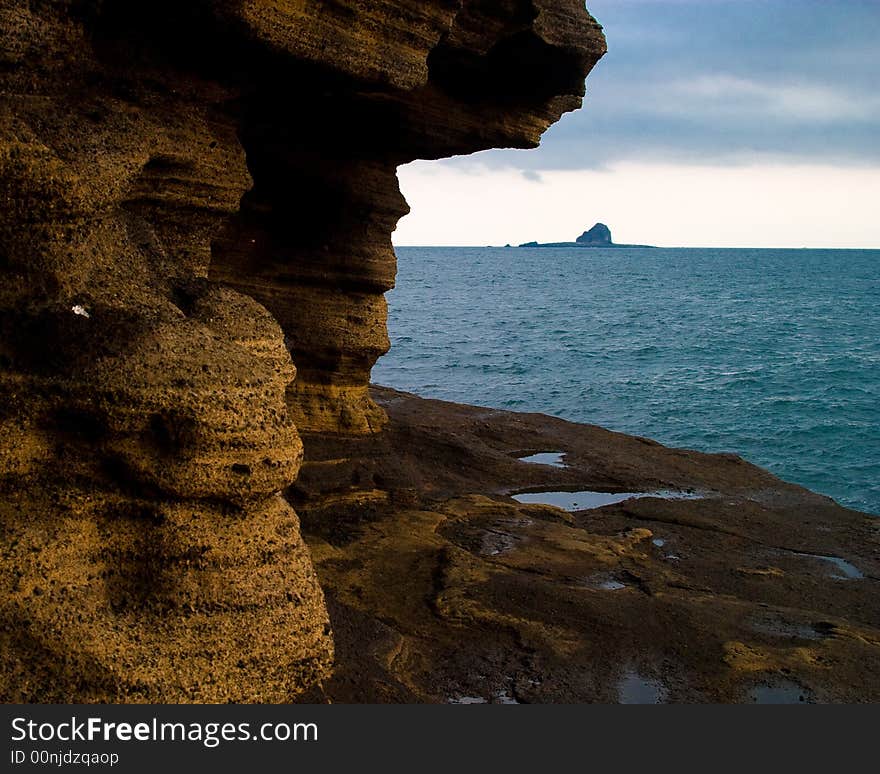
604 582
779 627
586 500
553 459
785 692
635 689
502 697
661 543
844 570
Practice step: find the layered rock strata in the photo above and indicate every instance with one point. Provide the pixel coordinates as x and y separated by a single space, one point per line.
313 239
189 193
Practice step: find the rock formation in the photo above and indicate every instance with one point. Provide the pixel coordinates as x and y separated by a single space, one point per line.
598 236
736 595
190 193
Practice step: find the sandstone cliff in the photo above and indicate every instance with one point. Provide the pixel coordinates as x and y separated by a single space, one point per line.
190 193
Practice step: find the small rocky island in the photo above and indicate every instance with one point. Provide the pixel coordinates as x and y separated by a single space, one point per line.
598 236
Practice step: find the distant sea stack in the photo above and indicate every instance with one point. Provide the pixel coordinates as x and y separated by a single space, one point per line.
598 236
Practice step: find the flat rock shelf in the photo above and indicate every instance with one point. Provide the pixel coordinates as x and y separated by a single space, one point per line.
655 574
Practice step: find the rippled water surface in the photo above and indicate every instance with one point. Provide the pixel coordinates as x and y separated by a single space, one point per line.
773 354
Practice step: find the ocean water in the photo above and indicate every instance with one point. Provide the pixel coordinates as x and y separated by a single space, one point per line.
772 354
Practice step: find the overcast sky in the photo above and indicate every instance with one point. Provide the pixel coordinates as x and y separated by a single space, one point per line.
709 122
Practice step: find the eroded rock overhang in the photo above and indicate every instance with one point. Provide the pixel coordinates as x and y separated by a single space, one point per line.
189 194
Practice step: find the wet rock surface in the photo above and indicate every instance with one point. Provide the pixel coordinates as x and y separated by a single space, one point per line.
544 605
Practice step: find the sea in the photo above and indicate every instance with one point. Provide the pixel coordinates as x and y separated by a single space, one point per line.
771 354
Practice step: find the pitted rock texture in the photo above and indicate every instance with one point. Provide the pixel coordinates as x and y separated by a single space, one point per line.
150 151
313 239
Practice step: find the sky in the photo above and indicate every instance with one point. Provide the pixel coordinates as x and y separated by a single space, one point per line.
729 123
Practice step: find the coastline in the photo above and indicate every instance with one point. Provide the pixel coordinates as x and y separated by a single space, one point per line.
205 501
730 597
769 354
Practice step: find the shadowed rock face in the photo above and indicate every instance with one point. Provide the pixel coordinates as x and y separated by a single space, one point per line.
313 239
600 235
149 413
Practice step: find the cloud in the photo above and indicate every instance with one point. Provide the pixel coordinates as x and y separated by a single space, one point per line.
709 122
723 81
800 103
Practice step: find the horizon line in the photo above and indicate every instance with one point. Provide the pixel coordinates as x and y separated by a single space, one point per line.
644 247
